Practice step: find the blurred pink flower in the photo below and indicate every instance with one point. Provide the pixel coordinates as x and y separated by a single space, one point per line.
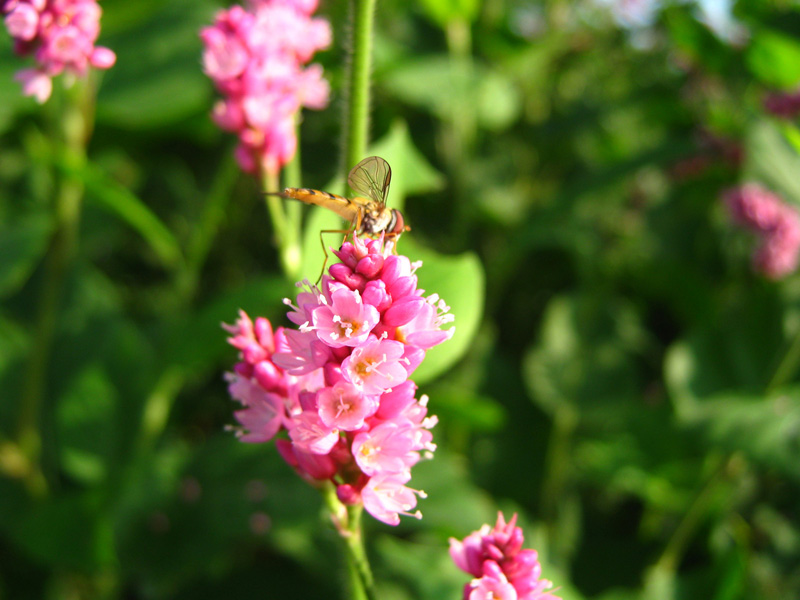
256 57
783 104
60 34
499 564
775 222
338 384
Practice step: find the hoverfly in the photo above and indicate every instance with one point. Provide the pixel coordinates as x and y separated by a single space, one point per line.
367 212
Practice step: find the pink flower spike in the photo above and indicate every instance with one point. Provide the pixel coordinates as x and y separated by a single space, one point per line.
375 366
386 498
496 555
338 384
347 321
345 407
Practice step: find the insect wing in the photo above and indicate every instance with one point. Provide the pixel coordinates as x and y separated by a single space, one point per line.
371 178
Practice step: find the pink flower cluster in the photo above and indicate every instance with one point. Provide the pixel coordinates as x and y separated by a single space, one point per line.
255 56
776 222
502 569
339 384
60 34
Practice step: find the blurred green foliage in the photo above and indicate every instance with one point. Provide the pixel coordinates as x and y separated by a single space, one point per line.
619 377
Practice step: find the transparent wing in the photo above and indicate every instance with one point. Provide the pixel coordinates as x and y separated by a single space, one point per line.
371 178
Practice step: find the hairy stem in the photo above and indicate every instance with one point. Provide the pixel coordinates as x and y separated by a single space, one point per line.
358 83
347 520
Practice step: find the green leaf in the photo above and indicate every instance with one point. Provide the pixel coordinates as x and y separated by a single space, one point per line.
126 205
772 160
764 428
21 248
439 85
443 12
460 282
412 174
157 78
738 352
85 417
585 355
774 58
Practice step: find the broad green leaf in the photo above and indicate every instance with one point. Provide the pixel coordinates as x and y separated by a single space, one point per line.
444 12
739 352
771 160
21 248
412 174
157 79
585 357
440 86
85 419
774 58
459 281
764 428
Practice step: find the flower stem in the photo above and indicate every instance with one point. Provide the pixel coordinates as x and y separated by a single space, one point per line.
788 365
358 83
692 518
75 124
347 520
286 236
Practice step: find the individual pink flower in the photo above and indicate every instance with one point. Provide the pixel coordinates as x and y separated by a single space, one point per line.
776 223
60 35
257 56
347 321
386 497
376 366
496 559
344 406
339 385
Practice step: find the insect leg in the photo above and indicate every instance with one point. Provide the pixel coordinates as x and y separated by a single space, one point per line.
346 232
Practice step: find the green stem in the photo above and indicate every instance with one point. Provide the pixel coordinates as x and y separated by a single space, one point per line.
459 131
286 239
205 230
788 365
565 420
358 83
692 518
75 123
347 520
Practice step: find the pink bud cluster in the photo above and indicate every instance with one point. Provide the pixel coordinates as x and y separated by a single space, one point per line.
502 569
255 56
60 34
776 222
339 384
